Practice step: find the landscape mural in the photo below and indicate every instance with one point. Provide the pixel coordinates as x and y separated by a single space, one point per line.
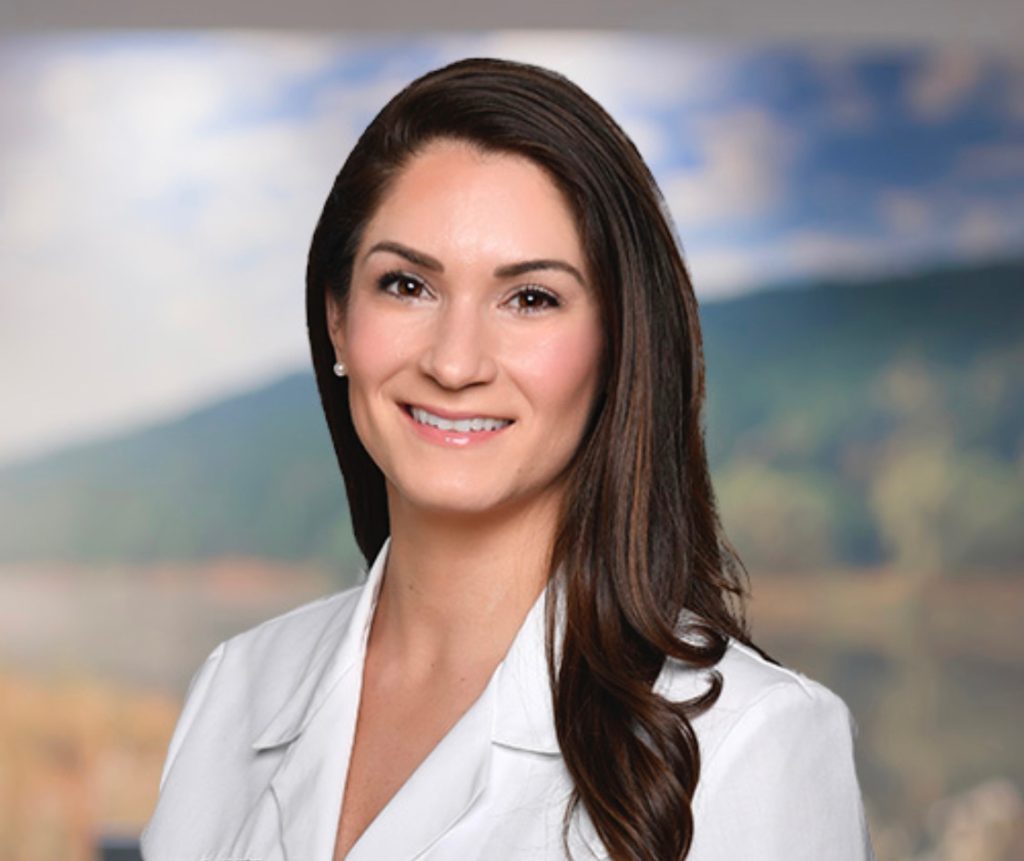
853 220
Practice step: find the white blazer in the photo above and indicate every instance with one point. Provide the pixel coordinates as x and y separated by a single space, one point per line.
257 763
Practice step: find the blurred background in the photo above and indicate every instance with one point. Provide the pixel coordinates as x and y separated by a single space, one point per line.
852 214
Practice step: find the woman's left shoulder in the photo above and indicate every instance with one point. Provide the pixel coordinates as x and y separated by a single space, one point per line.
755 692
778 777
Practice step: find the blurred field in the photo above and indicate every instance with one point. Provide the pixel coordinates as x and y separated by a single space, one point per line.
93 664
932 669
147 626
78 758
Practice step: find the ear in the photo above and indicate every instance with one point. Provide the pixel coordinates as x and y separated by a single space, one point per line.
335 312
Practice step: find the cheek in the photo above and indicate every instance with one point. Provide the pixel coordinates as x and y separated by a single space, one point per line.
561 372
374 346
375 351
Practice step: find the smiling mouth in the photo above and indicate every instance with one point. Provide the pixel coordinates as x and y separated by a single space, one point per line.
474 424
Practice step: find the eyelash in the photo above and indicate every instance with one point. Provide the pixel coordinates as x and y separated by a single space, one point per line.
385 281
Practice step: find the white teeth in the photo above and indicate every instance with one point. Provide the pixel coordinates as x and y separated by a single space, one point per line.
461 425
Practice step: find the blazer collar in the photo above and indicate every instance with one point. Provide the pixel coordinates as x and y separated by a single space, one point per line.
523 716
341 646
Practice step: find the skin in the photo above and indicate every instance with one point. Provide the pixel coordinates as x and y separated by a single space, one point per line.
471 527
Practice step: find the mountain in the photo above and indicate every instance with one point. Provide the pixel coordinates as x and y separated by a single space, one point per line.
809 388
872 421
821 352
254 474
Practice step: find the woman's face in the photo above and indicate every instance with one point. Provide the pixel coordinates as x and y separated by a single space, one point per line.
470 301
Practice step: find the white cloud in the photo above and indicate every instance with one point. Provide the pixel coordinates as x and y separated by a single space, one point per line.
156 246
631 76
745 158
848 104
943 82
624 72
1000 160
981 231
826 251
727 269
904 211
803 255
718 272
649 136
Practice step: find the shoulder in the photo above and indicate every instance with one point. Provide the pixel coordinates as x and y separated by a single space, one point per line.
246 678
283 647
290 637
777 773
245 681
757 697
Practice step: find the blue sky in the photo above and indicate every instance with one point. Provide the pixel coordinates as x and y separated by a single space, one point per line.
158 190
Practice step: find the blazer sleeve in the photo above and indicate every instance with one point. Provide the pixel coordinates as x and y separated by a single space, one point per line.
782 783
198 689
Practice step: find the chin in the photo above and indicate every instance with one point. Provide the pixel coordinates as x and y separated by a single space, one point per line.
445 496
467 505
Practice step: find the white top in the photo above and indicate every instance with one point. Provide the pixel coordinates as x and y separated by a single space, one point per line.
257 763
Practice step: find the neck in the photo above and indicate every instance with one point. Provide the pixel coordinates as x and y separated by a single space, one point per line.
456 590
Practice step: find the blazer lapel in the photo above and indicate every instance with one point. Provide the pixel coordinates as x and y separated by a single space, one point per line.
514 710
317 723
442 789
524 716
309 784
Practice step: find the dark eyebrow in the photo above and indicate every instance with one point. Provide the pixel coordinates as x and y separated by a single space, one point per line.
509 270
424 260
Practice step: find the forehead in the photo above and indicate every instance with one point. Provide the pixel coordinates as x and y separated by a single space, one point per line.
452 191
454 154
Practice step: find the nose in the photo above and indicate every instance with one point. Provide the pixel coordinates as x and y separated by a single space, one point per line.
459 351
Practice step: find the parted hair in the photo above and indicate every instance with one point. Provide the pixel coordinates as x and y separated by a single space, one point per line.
639 541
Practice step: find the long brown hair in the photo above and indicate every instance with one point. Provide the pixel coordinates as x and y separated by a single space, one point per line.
639 539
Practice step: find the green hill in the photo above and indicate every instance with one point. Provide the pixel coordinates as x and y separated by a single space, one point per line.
253 474
820 352
861 422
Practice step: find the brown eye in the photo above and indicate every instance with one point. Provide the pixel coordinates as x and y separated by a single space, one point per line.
400 284
532 299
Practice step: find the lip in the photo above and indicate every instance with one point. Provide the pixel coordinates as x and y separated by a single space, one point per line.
451 438
448 414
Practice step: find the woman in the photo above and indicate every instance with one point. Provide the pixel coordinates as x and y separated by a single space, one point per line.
548 658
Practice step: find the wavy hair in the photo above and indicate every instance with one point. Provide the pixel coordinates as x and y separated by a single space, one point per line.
639 540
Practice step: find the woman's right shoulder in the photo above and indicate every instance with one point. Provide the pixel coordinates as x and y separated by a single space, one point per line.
289 638
300 623
246 678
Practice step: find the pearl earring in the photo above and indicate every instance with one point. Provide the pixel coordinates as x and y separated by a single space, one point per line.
340 369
